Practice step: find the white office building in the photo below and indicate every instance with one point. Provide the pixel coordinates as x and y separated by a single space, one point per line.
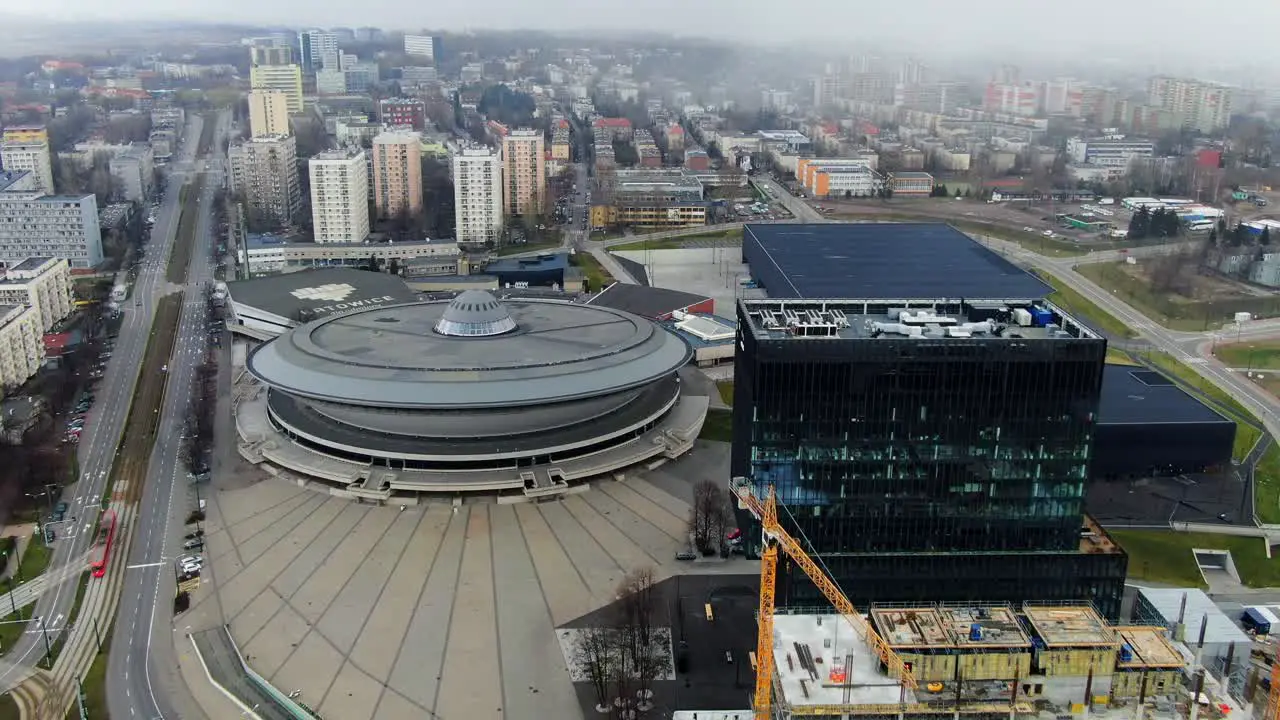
61 226
419 46
42 284
1108 152
26 149
340 196
477 196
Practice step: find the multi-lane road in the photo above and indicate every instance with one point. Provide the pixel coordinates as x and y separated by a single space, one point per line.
140 683
106 419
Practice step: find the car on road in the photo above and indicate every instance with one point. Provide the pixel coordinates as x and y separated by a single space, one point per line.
686 555
196 544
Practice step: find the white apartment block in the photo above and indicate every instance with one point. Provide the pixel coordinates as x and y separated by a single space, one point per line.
318 49
477 196
340 196
61 226
524 173
268 112
265 170
1200 105
42 284
24 149
21 346
419 46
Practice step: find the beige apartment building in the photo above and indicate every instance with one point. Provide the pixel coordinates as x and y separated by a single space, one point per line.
25 148
524 172
21 346
42 284
285 78
340 196
265 170
268 113
397 174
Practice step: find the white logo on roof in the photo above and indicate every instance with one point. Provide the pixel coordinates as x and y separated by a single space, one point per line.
334 292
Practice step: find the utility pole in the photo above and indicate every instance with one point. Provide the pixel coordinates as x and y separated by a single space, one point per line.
84 714
48 647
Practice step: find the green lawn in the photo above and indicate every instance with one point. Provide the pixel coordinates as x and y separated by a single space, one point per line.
1116 356
95 686
9 708
1263 354
1172 311
35 560
726 391
674 243
1165 556
596 276
718 426
11 628
1073 302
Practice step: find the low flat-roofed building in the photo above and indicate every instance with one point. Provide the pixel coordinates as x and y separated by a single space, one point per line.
42 284
710 337
270 254
911 183
1164 607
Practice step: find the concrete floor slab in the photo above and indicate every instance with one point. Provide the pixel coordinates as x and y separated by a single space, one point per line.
315 663
674 526
599 571
346 616
563 586
625 553
394 706
420 662
651 539
315 596
255 616
466 688
353 695
266 517
313 556
285 524
535 682
240 507
393 610
661 498
267 651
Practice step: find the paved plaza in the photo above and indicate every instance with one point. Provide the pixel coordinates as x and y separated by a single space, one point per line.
433 611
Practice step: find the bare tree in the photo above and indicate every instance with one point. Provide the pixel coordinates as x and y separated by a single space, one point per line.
709 515
595 654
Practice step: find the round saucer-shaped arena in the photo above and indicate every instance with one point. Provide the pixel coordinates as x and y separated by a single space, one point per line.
470 383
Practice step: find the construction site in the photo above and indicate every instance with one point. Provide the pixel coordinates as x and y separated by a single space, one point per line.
1039 660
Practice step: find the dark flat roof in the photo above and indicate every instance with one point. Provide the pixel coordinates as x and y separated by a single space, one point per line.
645 301
1138 396
884 260
319 292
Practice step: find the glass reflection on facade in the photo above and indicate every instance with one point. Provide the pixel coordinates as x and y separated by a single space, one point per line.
933 467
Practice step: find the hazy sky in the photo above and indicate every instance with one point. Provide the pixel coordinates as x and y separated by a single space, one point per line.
1163 31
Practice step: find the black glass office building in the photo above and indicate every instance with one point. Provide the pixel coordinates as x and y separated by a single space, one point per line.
927 450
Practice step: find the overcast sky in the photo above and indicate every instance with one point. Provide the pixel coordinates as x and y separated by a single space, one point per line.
1161 31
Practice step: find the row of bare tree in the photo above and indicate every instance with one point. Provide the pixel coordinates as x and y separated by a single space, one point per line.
622 660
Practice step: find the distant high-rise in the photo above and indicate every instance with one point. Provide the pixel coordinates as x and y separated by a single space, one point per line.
340 196
524 172
268 113
397 174
1202 106
420 46
477 196
284 78
25 148
265 170
318 49
270 55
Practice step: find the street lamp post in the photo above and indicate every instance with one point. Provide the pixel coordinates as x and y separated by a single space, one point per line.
48 647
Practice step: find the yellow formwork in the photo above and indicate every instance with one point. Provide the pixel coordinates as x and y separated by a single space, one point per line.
995 665
1128 684
1077 661
929 667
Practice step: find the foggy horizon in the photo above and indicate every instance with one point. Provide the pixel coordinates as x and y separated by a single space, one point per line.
1088 32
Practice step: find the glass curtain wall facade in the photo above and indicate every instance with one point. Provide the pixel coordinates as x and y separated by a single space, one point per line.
920 469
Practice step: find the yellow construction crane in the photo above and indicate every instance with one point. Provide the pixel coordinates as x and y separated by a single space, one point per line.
776 537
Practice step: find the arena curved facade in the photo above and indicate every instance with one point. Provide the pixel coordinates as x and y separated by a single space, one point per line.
517 397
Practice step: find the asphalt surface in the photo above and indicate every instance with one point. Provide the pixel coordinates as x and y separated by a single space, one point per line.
140 673
106 419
